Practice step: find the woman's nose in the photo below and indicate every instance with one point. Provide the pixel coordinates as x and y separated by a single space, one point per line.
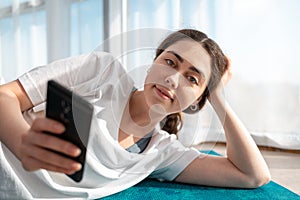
172 80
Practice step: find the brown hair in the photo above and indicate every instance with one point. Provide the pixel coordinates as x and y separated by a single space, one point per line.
173 122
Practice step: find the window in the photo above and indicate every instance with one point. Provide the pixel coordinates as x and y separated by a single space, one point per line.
86 26
22 36
28 39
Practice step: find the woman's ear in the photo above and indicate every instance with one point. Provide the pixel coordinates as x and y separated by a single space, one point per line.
193 108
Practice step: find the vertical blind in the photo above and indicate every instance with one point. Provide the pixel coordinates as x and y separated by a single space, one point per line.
22 36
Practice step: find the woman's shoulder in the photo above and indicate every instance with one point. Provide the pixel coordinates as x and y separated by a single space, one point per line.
94 57
102 55
103 60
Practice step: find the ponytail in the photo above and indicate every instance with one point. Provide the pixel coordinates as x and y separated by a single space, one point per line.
172 123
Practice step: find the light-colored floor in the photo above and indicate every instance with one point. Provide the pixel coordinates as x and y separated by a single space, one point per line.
284 166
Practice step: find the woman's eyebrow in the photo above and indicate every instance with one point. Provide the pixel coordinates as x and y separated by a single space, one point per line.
176 55
192 68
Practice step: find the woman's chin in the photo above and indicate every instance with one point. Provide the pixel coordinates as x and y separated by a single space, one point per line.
158 109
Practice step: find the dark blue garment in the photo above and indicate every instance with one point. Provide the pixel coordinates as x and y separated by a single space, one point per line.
140 145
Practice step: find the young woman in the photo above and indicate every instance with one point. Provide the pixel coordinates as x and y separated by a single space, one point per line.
125 144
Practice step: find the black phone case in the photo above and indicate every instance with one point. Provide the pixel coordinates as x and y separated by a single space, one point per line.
76 114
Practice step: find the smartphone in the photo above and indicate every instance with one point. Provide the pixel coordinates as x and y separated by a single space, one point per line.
75 114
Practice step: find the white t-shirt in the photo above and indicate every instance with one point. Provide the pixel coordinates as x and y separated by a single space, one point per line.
109 168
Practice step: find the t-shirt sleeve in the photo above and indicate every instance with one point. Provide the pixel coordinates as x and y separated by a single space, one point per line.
177 157
79 72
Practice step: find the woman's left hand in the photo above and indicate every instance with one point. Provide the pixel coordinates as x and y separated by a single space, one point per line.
224 80
228 73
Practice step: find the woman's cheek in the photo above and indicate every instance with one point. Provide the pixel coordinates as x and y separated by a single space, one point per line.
185 97
154 76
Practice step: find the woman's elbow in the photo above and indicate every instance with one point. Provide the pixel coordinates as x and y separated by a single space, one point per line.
258 181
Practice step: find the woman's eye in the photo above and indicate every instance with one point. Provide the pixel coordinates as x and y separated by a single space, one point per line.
193 80
170 62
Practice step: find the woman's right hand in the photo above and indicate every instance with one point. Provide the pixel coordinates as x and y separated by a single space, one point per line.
36 150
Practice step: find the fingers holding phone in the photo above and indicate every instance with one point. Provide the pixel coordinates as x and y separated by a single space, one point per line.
44 151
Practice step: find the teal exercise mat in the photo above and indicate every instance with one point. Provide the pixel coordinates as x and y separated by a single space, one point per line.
150 189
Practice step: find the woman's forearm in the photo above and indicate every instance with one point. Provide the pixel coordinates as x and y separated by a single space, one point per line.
241 148
12 123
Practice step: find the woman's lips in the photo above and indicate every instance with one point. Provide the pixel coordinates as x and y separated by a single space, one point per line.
163 93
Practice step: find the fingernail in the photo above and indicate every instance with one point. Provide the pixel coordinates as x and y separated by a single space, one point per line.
74 151
76 166
59 127
77 152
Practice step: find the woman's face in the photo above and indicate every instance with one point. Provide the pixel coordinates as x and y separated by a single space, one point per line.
178 76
